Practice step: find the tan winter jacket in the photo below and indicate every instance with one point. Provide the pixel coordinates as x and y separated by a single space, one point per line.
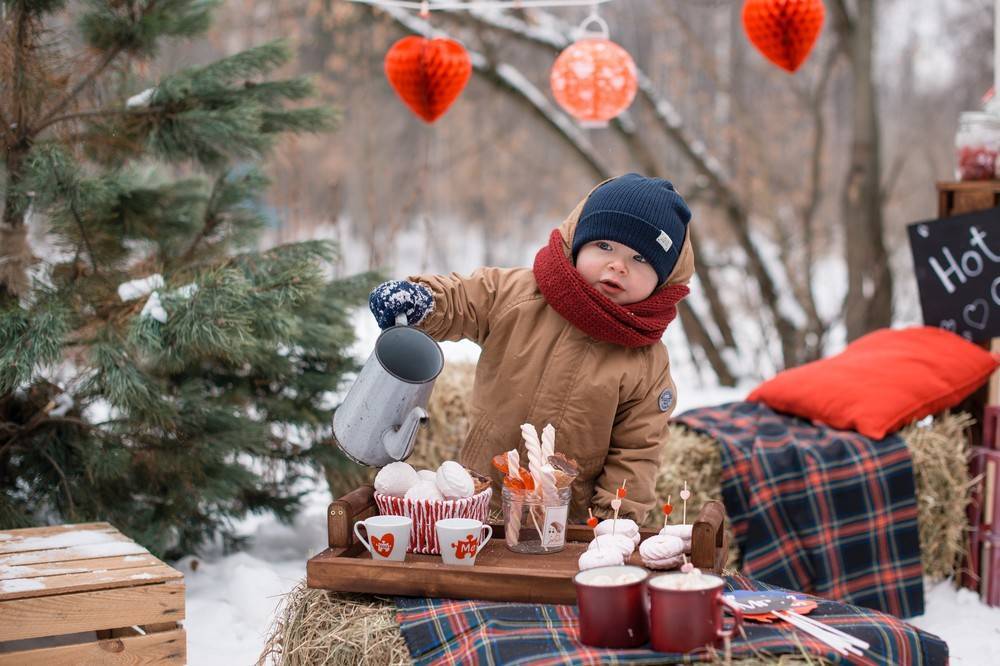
609 404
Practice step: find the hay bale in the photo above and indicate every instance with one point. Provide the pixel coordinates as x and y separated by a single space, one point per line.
320 627
940 469
448 421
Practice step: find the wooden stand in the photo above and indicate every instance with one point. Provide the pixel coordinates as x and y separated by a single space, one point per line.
499 573
87 594
955 198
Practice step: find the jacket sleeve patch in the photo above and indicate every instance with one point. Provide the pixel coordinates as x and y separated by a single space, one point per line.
666 399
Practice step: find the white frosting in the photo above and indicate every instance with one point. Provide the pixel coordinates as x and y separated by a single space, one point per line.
424 490
618 542
624 526
427 475
683 532
453 481
395 479
591 559
662 551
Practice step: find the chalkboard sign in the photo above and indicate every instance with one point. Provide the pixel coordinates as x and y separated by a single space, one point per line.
957 261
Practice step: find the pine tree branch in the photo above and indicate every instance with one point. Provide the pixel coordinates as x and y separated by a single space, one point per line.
65 482
68 98
211 220
94 113
108 58
86 239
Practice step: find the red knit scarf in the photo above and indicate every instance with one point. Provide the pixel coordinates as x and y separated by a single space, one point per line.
636 325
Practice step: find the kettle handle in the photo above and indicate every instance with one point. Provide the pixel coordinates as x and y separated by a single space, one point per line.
401 319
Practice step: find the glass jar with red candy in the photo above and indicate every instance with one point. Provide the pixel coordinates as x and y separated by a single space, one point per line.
977 146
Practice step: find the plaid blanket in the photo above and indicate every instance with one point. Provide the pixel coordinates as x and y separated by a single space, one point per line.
445 631
824 511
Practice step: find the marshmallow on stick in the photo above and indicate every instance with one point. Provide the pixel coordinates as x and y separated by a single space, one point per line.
541 471
548 442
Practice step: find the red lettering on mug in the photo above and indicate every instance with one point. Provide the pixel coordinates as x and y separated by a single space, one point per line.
466 547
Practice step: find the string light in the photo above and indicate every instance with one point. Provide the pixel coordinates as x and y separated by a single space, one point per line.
424 6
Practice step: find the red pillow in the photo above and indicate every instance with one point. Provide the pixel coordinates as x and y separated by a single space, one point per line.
882 381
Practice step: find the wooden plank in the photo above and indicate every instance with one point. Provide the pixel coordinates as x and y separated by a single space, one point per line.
77 566
24 588
64 539
169 647
90 611
74 553
53 529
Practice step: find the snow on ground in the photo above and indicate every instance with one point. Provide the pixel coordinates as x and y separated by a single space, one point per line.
231 599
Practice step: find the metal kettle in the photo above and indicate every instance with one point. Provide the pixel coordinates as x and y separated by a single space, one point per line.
377 422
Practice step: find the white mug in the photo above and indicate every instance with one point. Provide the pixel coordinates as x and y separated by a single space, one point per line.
387 537
461 539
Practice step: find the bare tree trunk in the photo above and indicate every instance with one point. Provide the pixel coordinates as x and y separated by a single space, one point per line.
869 290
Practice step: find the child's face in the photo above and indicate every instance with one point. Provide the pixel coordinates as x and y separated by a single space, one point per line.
617 271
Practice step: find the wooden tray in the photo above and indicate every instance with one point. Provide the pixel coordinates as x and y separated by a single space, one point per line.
499 573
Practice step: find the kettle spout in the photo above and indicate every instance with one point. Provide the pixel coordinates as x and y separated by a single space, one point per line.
398 442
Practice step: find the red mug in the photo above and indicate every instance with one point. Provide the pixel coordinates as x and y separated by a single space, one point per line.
612 603
681 620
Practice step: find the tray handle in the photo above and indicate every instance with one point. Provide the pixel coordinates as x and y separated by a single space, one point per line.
707 535
343 512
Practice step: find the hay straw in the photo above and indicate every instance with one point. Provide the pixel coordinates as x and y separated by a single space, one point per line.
940 471
320 627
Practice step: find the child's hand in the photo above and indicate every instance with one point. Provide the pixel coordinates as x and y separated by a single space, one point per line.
396 297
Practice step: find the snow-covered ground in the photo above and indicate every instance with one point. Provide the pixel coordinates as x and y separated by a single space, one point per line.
231 599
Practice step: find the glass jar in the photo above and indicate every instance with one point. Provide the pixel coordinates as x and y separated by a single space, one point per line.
532 525
977 145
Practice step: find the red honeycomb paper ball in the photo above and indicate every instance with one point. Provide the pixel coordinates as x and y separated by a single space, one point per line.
428 74
784 31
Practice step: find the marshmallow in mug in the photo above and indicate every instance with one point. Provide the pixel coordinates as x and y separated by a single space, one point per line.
695 580
608 580
625 526
618 542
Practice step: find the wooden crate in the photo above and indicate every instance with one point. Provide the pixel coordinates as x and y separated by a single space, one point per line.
87 594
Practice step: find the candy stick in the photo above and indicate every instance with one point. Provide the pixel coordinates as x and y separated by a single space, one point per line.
685 494
616 504
548 442
545 484
592 523
668 508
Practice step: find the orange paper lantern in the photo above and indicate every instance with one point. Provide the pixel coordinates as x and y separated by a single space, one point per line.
428 74
784 31
594 80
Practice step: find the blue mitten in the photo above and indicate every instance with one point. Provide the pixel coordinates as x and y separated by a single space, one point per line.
396 297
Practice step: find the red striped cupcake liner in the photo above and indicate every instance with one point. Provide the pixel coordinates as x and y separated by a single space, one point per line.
423 536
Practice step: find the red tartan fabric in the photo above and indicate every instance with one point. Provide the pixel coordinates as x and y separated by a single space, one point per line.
828 512
447 631
637 325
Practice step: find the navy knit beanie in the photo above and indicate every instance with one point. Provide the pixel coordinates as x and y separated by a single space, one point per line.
643 213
